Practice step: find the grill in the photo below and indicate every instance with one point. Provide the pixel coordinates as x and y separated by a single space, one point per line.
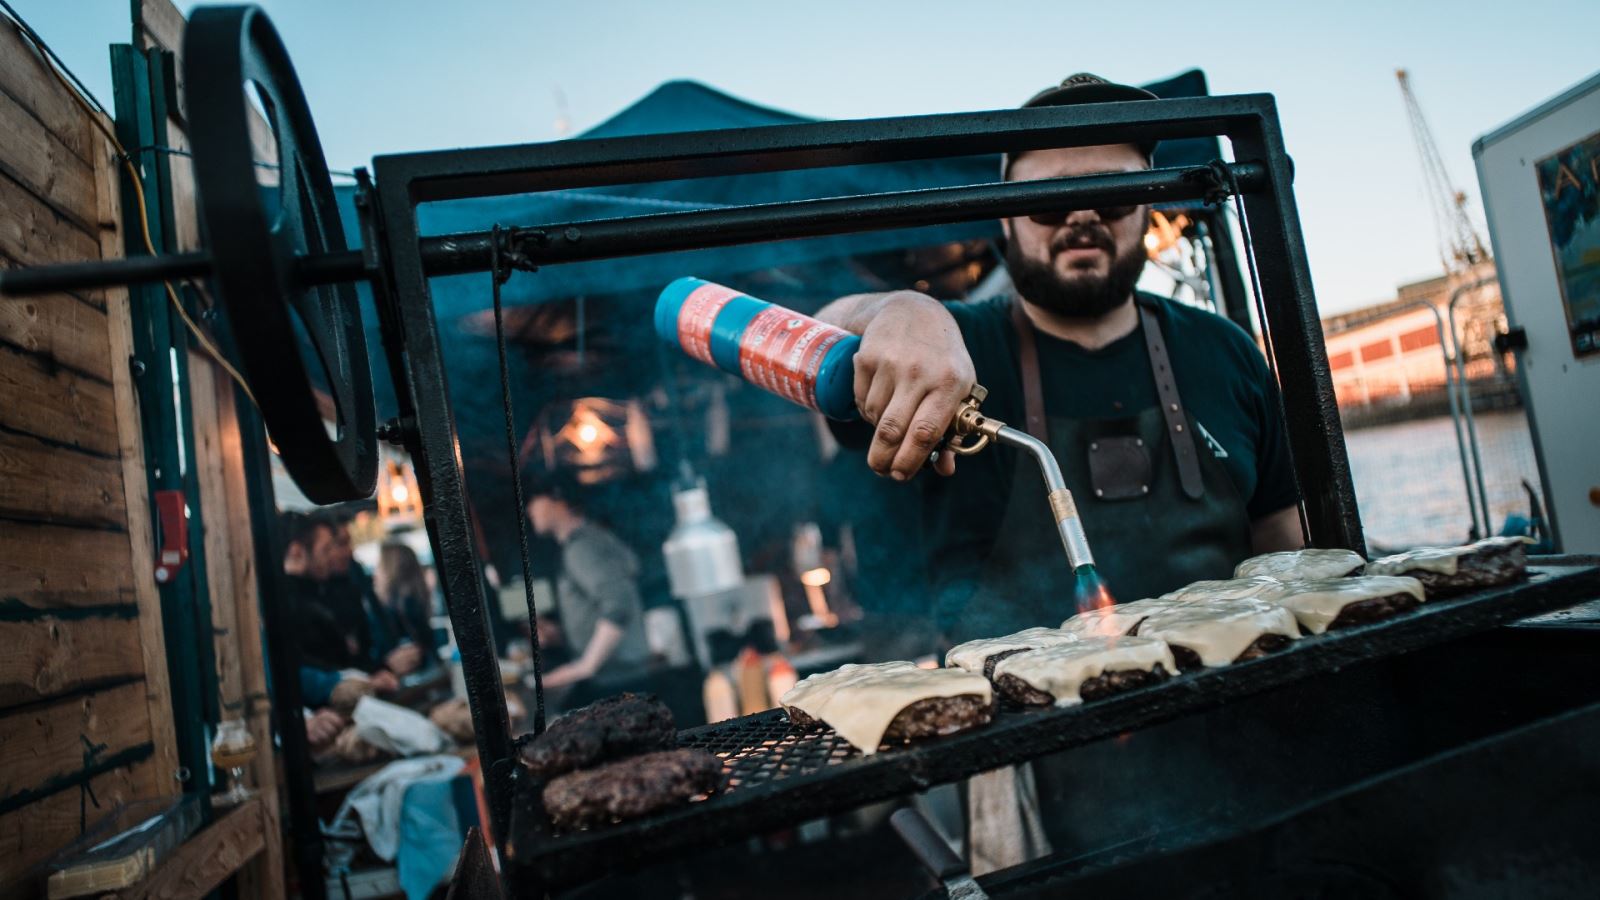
780 776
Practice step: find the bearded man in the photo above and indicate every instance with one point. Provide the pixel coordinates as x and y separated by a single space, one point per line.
1164 417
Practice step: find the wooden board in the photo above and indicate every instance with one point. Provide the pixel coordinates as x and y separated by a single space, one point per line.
40 482
52 566
44 165
59 329
207 859
57 405
33 234
32 835
47 743
25 78
135 488
213 507
48 657
264 876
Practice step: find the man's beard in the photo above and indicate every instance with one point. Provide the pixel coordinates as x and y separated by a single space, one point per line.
1086 297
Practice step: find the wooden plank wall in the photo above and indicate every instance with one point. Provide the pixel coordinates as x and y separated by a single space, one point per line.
83 681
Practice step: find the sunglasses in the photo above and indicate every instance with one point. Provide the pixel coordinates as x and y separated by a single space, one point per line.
1106 214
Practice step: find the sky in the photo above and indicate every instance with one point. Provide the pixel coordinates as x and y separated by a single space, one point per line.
387 76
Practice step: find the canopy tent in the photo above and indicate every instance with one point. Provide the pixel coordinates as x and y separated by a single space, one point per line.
604 307
691 106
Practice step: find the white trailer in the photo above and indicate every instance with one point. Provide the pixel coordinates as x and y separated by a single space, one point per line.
1540 178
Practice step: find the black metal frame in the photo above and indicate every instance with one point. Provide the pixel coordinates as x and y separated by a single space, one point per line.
400 261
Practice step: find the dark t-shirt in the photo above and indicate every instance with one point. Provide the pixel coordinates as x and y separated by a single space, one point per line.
1222 378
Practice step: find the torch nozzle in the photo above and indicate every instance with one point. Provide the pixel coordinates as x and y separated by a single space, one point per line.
1062 507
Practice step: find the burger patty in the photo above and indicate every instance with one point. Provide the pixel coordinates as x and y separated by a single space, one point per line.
1103 685
604 730
629 788
939 717
1484 567
1189 661
988 664
1363 611
933 717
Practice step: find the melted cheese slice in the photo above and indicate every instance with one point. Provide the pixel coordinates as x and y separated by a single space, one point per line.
1317 603
972 654
1301 565
1226 589
1112 621
1219 632
1060 671
859 701
1439 560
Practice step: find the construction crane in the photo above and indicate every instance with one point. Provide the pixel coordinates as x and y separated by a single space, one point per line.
1460 247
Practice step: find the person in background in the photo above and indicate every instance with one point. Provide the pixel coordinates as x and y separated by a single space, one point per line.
330 612
597 593
386 647
402 588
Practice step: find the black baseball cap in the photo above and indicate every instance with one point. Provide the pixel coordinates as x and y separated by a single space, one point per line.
1084 87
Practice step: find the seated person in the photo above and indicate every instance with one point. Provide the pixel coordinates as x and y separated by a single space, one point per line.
402 588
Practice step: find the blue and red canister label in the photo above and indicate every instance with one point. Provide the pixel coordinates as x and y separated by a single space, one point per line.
782 352
790 354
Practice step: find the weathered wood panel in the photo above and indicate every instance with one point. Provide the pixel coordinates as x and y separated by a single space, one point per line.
40 482
60 329
46 744
42 163
25 78
51 566
31 835
208 464
56 404
48 657
200 865
33 234
264 877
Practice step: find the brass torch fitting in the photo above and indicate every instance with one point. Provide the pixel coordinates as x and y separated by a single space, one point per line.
970 421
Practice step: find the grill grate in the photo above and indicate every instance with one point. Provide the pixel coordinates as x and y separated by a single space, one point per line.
765 747
779 776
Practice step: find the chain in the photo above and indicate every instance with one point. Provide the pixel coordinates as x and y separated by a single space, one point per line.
501 264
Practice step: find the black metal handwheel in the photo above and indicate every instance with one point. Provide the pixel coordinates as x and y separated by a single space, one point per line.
303 348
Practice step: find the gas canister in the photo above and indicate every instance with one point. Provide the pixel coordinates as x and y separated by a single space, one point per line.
779 350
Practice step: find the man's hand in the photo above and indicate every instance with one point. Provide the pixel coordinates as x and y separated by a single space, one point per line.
323 726
403 659
384 682
912 373
561 676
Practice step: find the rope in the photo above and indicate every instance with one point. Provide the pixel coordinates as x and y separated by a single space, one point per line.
498 274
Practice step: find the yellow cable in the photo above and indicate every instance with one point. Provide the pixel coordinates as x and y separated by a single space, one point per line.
144 226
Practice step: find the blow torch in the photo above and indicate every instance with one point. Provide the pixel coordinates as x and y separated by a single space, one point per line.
811 363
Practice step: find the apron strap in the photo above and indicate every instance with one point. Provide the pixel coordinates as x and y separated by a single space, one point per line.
1183 447
1171 405
1028 365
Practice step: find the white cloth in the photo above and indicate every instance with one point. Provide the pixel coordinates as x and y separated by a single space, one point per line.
376 800
396 729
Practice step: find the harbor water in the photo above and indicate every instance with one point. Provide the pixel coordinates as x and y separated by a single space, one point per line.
1409 483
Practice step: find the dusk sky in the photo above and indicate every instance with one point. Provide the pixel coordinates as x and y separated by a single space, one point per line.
409 75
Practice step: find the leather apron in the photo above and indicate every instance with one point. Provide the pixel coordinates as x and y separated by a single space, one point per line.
1159 514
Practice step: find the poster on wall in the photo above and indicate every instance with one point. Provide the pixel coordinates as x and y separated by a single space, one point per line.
1569 186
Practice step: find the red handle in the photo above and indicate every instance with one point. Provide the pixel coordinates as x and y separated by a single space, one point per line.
172 550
